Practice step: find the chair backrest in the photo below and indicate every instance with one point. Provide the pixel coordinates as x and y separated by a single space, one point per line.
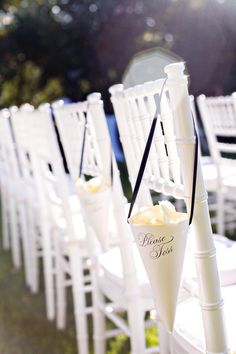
71 120
37 142
135 108
170 171
23 147
219 120
70 123
8 156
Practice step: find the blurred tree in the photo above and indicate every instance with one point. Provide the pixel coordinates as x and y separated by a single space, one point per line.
73 47
25 86
59 38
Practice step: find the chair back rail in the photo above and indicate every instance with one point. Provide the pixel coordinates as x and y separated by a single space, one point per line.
37 141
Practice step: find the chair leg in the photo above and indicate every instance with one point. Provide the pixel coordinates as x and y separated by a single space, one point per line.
48 270
136 326
5 220
34 264
25 243
220 213
15 239
60 287
99 330
79 299
164 339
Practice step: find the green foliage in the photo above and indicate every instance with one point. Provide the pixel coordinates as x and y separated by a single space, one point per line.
119 345
26 86
54 41
86 45
152 337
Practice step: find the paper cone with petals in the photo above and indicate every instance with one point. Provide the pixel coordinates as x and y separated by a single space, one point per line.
96 209
162 249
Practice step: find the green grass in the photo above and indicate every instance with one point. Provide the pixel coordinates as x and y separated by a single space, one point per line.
24 328
23 325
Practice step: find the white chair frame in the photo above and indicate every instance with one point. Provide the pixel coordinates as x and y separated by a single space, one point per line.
69 121
171 175
13 198
219 119
36 136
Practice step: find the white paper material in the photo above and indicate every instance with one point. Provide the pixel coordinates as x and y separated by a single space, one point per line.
162 247
95 202
162 213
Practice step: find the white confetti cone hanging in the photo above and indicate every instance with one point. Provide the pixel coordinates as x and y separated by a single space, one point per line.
162 249
161 234
95 204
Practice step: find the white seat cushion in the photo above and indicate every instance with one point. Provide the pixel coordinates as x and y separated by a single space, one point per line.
226 264
228 173
189 331
112 271
111 276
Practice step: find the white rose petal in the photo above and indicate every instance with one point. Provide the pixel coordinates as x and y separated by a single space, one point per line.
161 214
94 185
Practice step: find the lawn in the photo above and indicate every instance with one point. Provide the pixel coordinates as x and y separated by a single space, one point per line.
24 328
23 325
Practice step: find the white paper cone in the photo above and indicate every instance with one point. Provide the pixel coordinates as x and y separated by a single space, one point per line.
162 251
96 208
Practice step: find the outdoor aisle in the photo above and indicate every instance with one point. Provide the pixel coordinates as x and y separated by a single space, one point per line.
24 328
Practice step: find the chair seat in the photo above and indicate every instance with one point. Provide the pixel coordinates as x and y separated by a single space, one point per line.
78 238
189 333
210 176
112 271
226 266
112 281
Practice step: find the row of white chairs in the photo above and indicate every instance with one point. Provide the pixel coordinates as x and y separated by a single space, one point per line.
219 169
55 229
41 208
134 108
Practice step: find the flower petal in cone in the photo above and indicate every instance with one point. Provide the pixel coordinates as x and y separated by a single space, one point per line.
162 247
96 209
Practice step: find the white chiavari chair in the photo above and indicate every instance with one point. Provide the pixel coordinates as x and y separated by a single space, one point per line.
118 273
13 198
7 144
21 129
62 229
218 115
23 150
207 167
170 171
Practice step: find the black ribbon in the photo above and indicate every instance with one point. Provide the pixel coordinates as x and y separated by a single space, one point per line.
83 148
194 174
145 158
